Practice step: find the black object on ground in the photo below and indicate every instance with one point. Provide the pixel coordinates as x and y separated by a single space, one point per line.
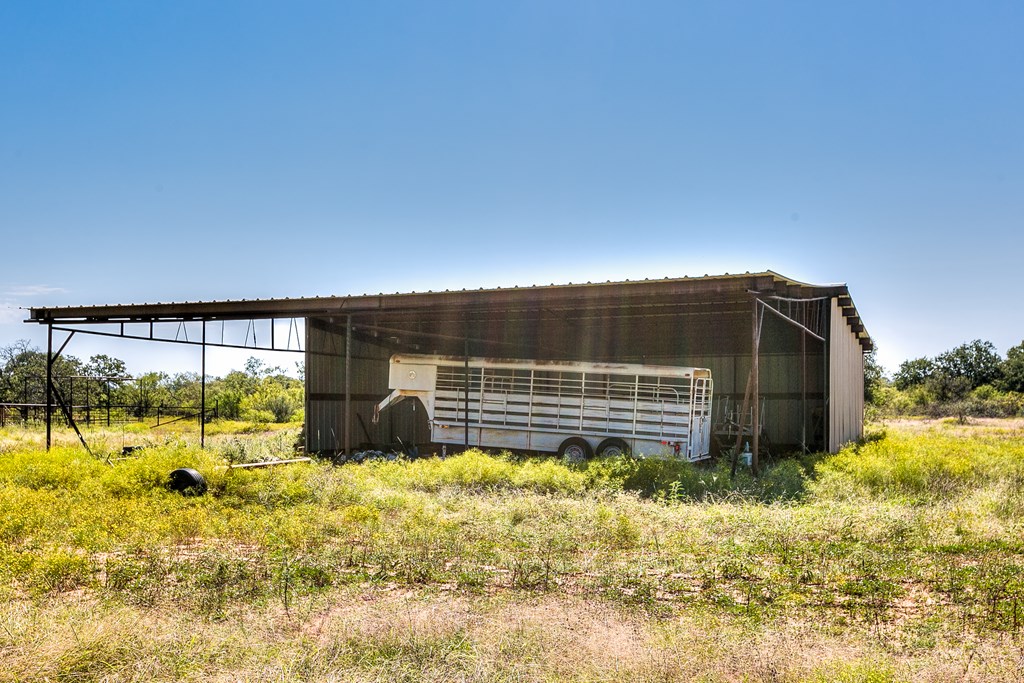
187 481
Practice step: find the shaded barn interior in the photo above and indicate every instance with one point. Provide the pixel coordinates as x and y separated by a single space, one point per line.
703 322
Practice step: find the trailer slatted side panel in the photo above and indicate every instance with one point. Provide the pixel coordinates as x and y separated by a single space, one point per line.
646 411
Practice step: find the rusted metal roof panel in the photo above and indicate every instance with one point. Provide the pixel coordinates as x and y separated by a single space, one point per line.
668 296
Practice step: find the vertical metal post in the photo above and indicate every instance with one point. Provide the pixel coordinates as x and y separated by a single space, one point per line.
826 380
803 391
755 390
202 394
465 414
306 402
348 385
108 401
49 382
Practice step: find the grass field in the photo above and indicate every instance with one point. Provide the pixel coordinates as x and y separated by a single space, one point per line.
897 560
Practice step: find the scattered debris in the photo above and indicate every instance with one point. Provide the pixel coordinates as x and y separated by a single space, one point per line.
269 463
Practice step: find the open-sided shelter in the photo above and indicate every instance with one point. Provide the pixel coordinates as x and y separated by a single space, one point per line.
790 353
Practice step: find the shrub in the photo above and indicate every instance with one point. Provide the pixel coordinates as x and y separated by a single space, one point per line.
932 466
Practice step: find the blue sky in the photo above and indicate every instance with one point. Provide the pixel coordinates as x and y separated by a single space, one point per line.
165 151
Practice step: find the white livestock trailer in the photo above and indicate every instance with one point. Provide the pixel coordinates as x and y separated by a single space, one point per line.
575 409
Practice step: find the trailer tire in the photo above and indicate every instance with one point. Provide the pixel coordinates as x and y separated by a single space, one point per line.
575 450
187 482
612 447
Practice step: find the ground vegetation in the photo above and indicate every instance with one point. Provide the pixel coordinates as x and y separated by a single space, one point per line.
971 380
897 559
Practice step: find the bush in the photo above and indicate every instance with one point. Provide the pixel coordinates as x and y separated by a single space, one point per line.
984 401
924 467
785 481
274 400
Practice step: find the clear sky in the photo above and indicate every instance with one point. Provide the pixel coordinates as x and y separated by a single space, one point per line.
168 151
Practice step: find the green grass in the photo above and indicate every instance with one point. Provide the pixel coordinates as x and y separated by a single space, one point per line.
899 559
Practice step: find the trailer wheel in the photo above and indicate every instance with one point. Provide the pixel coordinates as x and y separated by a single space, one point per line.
187 481
575 450
612 447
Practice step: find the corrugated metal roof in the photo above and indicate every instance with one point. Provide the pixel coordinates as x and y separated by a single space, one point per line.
712 288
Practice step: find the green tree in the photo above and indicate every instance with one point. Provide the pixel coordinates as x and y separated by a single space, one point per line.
1012 369
23 373
150 391
107 381
229 391
912 373
102 365
874 376
184 389
276 399
976 363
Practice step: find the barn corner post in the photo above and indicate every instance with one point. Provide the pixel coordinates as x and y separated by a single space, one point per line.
49 383
826 370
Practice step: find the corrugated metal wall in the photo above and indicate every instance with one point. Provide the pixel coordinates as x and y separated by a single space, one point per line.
325 392
793 412
325 387
846 382
790 416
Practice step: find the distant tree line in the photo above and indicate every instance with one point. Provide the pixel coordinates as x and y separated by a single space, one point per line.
258 393
969 380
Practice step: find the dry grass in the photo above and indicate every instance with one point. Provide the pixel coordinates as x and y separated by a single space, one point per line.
422 635
903 562
987 426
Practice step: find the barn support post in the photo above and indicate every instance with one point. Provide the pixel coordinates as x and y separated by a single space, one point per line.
307 405
202 394
348 385
755 389
49 382
803 392
739 426
465 413
826 380
51 390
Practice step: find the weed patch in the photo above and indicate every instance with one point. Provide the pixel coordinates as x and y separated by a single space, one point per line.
896 560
